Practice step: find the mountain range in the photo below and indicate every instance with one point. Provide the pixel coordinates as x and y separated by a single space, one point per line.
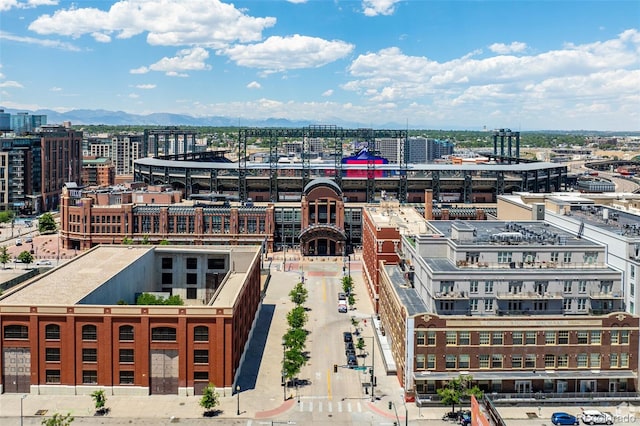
121 118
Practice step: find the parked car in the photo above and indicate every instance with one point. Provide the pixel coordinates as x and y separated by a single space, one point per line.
595 417
347 337
342 296
342 309
18 242
349 348
352 361
465 418
561 418
28 240
43 263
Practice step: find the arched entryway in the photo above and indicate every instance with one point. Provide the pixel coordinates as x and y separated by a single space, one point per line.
322 240
322 228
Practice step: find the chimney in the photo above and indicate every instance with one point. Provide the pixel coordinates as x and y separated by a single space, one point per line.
428 204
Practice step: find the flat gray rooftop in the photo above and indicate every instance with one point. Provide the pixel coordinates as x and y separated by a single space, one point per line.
72 281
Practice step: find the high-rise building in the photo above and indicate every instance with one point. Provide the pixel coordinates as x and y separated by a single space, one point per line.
23 123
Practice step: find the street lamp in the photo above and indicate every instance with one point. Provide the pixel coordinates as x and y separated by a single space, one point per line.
21 399
284 377
238 393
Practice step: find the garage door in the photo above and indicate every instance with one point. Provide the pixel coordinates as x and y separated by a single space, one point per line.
164 371
16 372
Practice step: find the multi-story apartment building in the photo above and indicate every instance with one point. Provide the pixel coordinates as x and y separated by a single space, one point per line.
522 306
389 148
98 172
90 334
611 219
420 150
61 162
122 149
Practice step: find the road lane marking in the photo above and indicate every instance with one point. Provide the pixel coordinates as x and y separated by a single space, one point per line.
324 289
329 384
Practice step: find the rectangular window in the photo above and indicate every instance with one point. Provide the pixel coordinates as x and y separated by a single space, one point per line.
52 332
583 337
594 360
473 305
450 362
563 337
595 337
582 361
566 304
192 279
420 338
517 337
431 338
420 362
52 354
483 361
126 377
516 361
167 263
496 361
488 305
624 360
530 338
192 263
167 278
567 257
615 338
484 338
89 377
549 361
464 338
201 375
549 337
463 361
192 293
89 355
52 376
201 356
504 256
568 286
563 361
496 338
613 360
582 304
555 256
530 361
624 337
452 338
473 287
488 287
126 356
582 286
215 263
431 361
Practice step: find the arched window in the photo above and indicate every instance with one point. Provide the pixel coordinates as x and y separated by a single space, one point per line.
89 332
52 332
167 334
126 333
16 332
201 334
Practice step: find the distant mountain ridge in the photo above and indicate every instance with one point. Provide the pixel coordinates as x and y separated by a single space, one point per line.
121 118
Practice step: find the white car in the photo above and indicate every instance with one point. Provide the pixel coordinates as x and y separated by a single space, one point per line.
43 263
595 417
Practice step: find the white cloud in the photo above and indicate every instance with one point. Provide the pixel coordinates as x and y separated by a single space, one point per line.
277 54
40 42
185 60
297 1
101 38
503 49
254 85
10 83
176 74
140 70
327 93
56 89
378 7
145 86
209 23
133 95
9 4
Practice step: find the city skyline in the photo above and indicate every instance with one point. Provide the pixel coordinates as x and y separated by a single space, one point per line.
532 65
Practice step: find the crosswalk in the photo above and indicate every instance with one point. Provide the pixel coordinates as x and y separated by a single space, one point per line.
321 406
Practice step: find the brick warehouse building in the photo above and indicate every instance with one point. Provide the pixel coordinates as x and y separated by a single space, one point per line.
88 334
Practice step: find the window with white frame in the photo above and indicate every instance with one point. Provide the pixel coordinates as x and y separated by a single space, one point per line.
504 256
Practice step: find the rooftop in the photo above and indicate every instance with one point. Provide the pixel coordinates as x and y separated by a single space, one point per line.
390 214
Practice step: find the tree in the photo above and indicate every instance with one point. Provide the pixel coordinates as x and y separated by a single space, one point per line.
360 345
145 240
294 359
126 241
295 338
151 299
58 420
299 294
47 224
6 216
347 284
26 258
5 257
456 389
210 398
100 399
297 317
351 299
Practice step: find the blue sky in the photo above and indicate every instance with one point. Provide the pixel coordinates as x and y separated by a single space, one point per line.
526 65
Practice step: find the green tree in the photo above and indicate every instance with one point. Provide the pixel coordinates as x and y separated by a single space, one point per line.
100 400
151 299
7 216
456 389
294 359
26 258
126 241
58 420
5 257
47 224
210 398
295 338
297 317
360 345
299 294
351 298
347 284
164 242
145 240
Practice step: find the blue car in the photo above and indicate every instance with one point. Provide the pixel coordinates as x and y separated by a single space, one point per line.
564 419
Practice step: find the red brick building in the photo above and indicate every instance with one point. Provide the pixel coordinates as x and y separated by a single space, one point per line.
77 328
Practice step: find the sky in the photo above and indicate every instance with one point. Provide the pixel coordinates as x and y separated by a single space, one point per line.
432 64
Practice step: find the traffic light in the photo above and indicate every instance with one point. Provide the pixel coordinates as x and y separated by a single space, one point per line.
390 405
335 368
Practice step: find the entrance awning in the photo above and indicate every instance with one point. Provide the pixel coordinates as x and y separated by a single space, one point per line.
322 230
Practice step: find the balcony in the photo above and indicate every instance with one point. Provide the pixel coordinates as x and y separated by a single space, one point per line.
529 295
464 264
451 295
605 295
